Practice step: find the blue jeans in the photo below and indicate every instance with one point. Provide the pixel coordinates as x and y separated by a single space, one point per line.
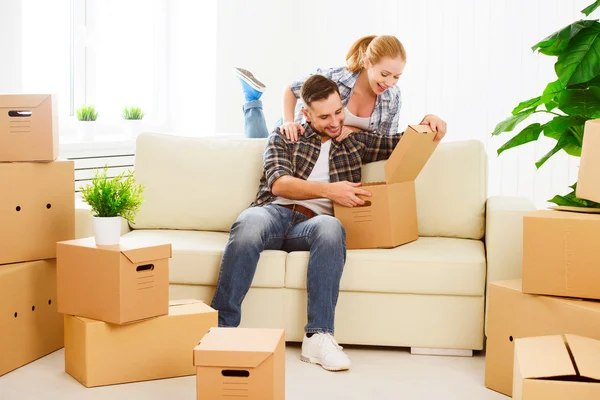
254 120
272 227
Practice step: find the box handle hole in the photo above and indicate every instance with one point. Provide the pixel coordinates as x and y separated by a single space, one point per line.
367 204
22 113
16 314
32 308
49 301
18 208
510 338
48 206
145 267
235 373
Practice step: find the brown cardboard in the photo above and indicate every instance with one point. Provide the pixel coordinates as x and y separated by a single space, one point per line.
588 182
553 368
248 363
513 315
37 209
30 326
28 127
389 218
117 284
560 254
98 353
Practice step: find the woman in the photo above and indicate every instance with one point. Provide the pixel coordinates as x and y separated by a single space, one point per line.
368 89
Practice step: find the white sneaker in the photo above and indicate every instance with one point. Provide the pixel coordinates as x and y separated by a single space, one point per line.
322 349
249 78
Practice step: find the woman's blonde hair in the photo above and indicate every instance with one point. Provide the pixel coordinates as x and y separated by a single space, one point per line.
374 48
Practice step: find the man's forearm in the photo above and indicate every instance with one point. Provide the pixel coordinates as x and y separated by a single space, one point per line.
299 189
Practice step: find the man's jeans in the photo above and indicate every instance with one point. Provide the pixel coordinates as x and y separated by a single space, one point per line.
254 120
272 227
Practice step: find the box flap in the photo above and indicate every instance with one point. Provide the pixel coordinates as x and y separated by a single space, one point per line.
543 357
148 253
188 307
22 100
411 154
588 184
586 353
236 347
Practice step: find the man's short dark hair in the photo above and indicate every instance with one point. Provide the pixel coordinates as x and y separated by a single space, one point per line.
316 88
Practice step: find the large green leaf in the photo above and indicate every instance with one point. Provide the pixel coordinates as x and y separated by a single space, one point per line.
556 43
589 9
558 125
552 90
584 102
530 134
566 139
572 200
580 61
585 85
531 103
509 123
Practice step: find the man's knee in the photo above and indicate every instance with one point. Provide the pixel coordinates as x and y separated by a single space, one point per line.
250 225
330 229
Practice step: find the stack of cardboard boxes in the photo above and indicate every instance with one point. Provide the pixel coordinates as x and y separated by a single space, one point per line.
37 209
558 295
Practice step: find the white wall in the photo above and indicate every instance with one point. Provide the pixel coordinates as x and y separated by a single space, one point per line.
10 46
469 61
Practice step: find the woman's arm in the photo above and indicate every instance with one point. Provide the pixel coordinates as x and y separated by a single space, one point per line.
290 128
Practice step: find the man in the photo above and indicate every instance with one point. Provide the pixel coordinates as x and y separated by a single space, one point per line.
293 211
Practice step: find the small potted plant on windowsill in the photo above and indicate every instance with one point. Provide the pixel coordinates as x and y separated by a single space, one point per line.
112 199
133 119
87 115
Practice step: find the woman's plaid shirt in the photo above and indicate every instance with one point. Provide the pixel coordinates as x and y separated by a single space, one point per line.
281 157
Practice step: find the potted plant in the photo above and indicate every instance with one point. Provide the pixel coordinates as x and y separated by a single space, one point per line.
112 199
87 115
133 118
569 101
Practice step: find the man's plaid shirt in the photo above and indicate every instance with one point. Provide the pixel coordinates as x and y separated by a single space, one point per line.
281 157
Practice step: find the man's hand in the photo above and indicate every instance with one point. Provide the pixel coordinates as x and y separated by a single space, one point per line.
436 124
346 131
291 130
346 193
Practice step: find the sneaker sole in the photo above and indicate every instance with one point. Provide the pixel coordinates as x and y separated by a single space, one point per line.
314 360
253 82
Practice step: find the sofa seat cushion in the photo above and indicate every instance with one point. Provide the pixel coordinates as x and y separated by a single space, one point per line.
197 258
438 266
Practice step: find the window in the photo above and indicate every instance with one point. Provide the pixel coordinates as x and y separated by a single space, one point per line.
107 53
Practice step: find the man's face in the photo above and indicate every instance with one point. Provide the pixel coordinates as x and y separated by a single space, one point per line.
326 116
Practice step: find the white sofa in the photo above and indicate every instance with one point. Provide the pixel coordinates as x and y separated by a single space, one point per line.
425 294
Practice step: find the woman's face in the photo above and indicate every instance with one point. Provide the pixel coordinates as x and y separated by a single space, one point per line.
384 74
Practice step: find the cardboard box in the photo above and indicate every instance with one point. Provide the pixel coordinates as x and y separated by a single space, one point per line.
513 315
588 184
30 326
118 284
560 254
544 369
37 209
97 353
241 362
28 127
389 218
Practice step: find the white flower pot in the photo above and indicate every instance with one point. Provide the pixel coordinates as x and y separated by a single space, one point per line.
133 127
86 130
107 230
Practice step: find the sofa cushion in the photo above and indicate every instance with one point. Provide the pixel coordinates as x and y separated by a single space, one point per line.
438 266
197 258
196 183
451 190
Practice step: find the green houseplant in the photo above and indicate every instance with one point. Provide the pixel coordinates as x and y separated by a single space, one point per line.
87 115
569 101
133 119
112 199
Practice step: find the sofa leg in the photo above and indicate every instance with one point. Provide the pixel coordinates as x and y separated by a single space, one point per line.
425 351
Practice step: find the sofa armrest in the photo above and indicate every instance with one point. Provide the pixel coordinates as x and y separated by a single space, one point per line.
83 221
504 237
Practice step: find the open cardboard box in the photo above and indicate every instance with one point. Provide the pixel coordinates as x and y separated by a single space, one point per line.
118 284
241 362
97 353
389 217
513 315
28 127
556 368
